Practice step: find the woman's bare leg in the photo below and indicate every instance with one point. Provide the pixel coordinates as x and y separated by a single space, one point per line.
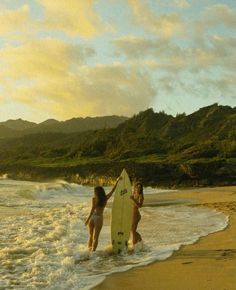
96 233
91 233
136 236
134 226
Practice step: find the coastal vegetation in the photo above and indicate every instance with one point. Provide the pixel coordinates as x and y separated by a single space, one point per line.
186 150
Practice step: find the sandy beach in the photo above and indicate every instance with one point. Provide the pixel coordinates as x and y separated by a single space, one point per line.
209 264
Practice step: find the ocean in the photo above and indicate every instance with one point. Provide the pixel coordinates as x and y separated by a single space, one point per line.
43 237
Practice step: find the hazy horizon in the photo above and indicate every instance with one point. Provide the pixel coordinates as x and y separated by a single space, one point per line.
77 117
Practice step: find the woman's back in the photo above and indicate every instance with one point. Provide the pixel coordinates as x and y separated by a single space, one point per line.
98 209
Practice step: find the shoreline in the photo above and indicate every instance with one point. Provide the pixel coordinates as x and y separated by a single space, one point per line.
208 264
170 174
109 181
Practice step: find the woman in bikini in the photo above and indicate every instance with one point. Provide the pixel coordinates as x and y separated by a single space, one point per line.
95 218
138 199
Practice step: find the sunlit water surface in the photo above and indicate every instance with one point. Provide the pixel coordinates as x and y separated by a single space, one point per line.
43 237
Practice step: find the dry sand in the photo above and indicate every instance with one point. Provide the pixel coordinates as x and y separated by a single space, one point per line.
209 264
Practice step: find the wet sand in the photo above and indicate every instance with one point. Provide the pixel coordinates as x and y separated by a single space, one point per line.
209 264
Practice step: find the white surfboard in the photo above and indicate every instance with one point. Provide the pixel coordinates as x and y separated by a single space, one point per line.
122 214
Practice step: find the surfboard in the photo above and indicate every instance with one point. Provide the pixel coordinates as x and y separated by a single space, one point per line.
122 213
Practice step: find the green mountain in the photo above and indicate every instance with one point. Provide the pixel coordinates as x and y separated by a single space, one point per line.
8 132
199 148
18 125
48 122
77 124
208 132
16 128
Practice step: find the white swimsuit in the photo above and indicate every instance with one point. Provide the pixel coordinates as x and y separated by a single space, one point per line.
96 217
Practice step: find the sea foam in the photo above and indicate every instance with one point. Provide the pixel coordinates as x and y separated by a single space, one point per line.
46 248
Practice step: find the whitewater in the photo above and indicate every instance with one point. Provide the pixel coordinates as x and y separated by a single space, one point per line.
43 237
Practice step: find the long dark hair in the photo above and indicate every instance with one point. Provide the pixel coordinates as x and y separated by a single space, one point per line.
101 196
139 183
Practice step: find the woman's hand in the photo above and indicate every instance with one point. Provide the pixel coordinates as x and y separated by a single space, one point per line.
114 187
119 178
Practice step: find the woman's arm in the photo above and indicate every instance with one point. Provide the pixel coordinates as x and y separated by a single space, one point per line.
114 187
138 202
91 211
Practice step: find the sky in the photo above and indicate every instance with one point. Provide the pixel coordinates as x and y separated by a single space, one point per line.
76 58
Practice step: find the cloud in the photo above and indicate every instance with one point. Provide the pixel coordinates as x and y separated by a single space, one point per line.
223 85
220 14
163 52
135 46
223 49
52 76
42 58
200 89
203 72
165 25
177 56
214 17
118 88
183 4
14 20
34 70
219 53
75 18
98 90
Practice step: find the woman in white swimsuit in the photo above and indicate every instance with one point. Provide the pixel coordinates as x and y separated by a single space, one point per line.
95 218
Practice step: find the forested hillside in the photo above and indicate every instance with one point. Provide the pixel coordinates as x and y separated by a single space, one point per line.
199 148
